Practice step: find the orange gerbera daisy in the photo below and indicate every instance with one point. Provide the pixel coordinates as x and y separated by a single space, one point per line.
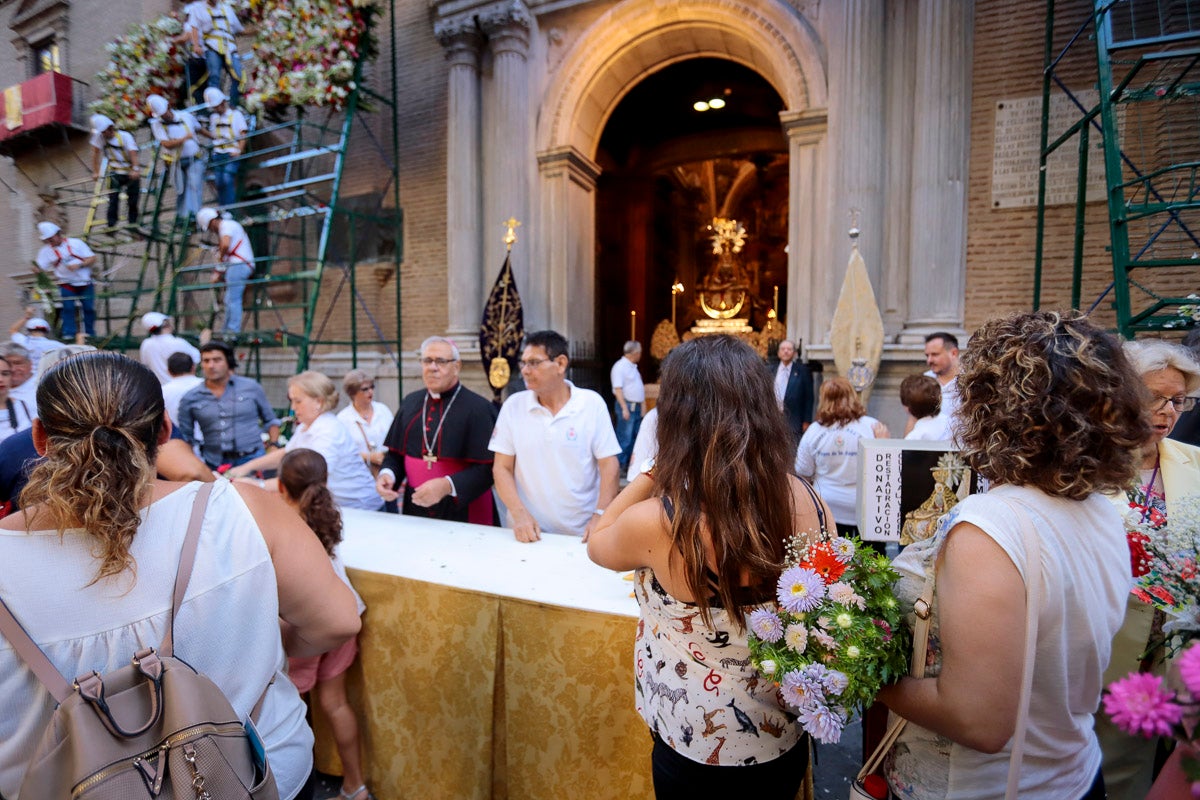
823 561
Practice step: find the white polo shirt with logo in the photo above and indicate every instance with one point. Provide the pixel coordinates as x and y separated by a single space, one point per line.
558 479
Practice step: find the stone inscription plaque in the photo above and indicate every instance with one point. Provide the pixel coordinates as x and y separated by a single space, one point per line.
1018 133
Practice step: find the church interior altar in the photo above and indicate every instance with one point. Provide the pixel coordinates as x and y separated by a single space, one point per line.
490 668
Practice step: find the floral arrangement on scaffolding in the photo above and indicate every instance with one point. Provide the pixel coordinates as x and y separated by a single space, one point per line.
304 54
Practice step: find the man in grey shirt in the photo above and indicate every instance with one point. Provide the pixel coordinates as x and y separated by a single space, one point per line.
232 411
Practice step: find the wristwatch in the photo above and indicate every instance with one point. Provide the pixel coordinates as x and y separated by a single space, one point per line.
648 468
598 512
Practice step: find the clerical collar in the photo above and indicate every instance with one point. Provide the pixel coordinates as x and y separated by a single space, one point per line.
438 395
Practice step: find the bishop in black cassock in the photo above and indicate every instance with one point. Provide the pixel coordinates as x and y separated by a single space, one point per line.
444 435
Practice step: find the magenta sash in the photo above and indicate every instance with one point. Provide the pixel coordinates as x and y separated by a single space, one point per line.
418 471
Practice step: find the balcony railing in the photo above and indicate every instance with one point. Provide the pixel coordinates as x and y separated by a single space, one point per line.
39 106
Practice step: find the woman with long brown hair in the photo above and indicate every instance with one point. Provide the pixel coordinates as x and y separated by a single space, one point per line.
706 529
88 568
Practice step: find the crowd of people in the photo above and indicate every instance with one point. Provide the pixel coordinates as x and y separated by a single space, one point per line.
1069 427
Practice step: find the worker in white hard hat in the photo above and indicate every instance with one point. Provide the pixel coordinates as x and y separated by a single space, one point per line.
227 130
161 344
236 262
219 24
70 262
34 334
175 132
121 152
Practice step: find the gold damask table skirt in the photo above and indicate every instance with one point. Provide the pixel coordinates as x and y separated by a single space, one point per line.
471 696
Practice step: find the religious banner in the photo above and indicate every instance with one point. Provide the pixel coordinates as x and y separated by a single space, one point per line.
502 330
905 486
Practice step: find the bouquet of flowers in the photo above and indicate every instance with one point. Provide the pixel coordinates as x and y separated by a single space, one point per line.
143 61
836 637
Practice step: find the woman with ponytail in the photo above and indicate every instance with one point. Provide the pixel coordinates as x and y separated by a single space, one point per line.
88 568
303 475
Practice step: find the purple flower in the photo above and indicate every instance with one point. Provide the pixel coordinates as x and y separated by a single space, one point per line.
797 691
800 590
1140 706
1189 670
766 625
835 682
822 722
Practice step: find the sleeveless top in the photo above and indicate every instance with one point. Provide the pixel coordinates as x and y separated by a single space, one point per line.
227 628
695 686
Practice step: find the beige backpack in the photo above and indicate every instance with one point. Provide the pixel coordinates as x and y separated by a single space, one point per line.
154 729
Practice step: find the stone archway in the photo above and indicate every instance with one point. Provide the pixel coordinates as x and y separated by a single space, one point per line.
635 39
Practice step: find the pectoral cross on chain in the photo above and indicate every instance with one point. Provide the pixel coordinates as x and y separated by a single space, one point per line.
430 460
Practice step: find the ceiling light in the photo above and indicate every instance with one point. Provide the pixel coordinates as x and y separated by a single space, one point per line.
700 105
716 102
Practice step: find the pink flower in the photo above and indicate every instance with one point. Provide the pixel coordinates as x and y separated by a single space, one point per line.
1140 706
1189 670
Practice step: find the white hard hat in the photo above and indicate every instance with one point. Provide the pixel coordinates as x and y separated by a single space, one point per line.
47 229
213 96
36 323
158 105
204 218
154 319
100 123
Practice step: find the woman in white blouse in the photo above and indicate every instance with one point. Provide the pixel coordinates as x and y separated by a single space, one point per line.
367 420
313 397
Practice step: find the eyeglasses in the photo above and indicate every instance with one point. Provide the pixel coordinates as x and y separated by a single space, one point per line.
1181 404
441 362
533 363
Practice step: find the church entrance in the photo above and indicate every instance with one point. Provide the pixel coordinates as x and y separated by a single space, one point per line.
697 141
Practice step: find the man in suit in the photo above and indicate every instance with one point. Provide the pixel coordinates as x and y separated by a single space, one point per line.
793 389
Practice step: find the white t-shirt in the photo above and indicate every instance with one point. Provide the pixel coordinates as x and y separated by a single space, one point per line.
556 470
173 391
829 457
64 262
931 429
226 129
376 430
21 412
155 351
183 124
950 401
1085 581
117 151
83 625
645 445
625 376
239 243
350 481
27 394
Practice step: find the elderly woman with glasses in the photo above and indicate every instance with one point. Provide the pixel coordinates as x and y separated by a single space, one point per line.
367 420
1170 471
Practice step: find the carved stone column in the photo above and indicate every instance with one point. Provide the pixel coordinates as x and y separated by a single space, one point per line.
464 254
563 268
856 110
941 137
508 149
809 274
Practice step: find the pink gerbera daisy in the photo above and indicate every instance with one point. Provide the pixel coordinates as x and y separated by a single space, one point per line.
1139 705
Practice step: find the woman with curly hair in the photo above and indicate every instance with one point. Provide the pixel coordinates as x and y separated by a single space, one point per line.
706 531
88 568
302 477
1052 417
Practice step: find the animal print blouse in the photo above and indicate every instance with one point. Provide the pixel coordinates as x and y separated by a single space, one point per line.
695 686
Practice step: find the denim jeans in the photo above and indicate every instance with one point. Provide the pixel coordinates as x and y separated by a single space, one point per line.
225 171
72 298
132 187
218 66
627 430
188 177
236 275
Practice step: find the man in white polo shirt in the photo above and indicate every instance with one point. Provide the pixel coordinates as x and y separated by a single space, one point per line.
556 452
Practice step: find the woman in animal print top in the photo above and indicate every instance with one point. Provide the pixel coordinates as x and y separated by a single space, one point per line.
706 531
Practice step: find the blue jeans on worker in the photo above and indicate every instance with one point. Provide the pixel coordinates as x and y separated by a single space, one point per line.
74 297
224 170
188 177
627 430
218 65
236 275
